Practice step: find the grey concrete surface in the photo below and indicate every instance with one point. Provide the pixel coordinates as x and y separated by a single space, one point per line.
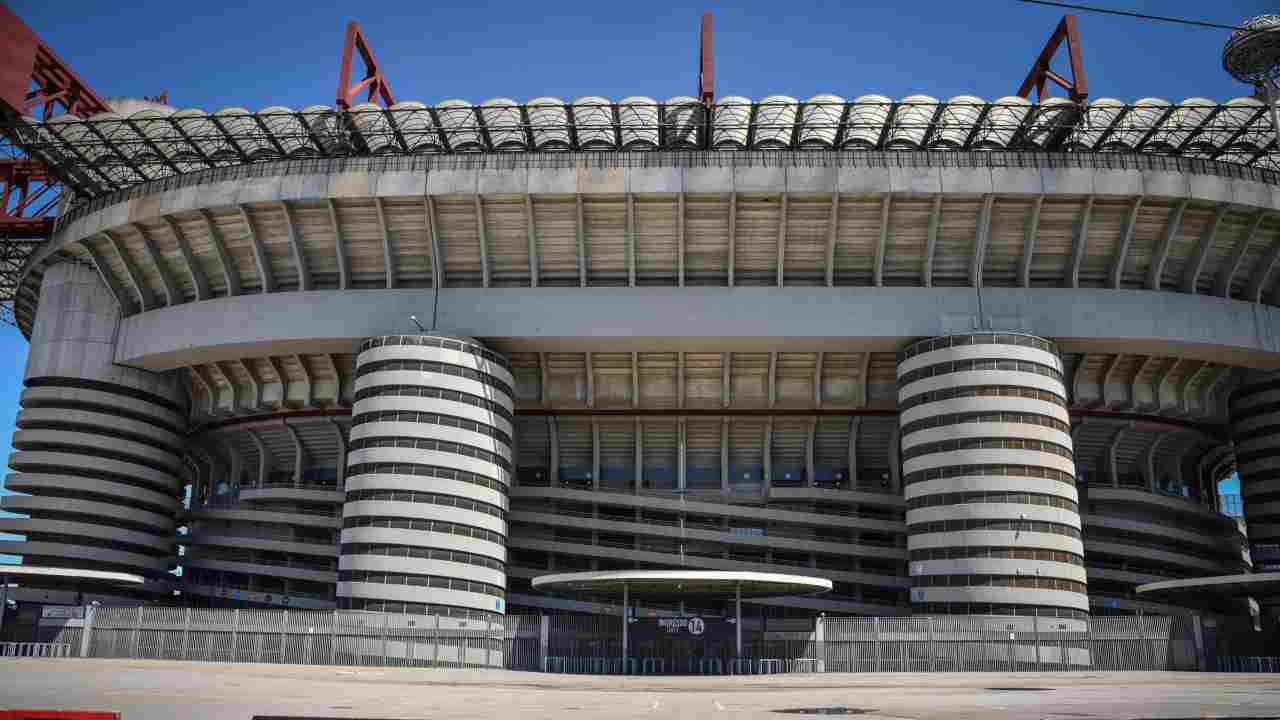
161 690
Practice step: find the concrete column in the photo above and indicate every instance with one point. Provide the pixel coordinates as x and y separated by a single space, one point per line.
809 463
595 455
768 455
639 479
724 455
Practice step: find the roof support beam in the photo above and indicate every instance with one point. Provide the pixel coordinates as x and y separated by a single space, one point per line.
308 383
680 379
544 378
113 285
726 378
877 272
1210 391
864 366
1126 240
582 243
171 294
773 379
1188 378
229 271
295 244
259 252
254 382
1158 390
1080 246
1258 280
299 453
1227 275
591 382
482 236
198 279
680 211
631 239
1029 242
854 423
1077 376
281 378
635 379
733 227
339 386
433 237
388 257
1137 378
1191 275
145 296
339 248
833 231
782 239
230 379
980 243
817 379
533 241
340 439
210 387
1161 253
639 456
931 243
1107 376
1150 459
1113 467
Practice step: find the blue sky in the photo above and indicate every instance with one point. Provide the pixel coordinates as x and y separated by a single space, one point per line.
255 54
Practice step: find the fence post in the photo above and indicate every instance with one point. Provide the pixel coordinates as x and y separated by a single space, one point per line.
86 637
435 645
820 644
933 654
1035 625
186 633
1148 644
1093 654
333 639
235 635
385 618
1201 659
544 639
875 629
284 635
137 631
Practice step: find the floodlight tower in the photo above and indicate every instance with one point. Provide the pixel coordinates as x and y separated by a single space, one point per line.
1252 55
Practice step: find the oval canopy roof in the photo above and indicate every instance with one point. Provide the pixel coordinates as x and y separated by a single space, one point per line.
1260 584
76 573
683 583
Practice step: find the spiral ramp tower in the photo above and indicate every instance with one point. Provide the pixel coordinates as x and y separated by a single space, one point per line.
424 524
98 455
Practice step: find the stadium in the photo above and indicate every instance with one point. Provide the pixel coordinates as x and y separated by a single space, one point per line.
958 357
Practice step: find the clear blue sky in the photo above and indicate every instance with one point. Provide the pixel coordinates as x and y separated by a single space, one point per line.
255 54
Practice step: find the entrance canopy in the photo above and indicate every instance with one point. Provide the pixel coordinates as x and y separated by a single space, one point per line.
683 583
107 576
1261 584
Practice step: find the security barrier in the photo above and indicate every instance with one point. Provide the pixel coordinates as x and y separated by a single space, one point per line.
592 644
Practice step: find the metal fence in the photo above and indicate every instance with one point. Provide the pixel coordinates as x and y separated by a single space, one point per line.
593 644
309 637
975 644
34 649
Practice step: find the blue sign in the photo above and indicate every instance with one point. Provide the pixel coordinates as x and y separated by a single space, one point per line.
498 603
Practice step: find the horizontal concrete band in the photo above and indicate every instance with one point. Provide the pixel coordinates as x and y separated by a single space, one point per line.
702 319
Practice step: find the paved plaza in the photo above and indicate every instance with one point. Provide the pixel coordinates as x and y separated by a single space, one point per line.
165 690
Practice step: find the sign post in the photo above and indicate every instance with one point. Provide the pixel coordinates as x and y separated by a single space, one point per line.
626 620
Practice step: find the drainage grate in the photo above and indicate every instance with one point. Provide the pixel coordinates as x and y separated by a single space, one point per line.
1018 689
827 711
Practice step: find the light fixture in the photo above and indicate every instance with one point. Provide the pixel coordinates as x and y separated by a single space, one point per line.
414 319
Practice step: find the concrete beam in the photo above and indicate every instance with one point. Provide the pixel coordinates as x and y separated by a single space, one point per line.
388 254
833 232
1029 242
931 243
146 298
980 242
733 232
782 240
172 296
295 244
109 278
532 228
581 229
680 239
882 243
433 237
259 252
482 234
1227 275
198 278
340 247
1195 264
1161 253
229 271
1126 241
1080 245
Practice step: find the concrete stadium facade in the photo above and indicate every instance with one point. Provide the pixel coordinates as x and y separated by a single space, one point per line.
952 382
